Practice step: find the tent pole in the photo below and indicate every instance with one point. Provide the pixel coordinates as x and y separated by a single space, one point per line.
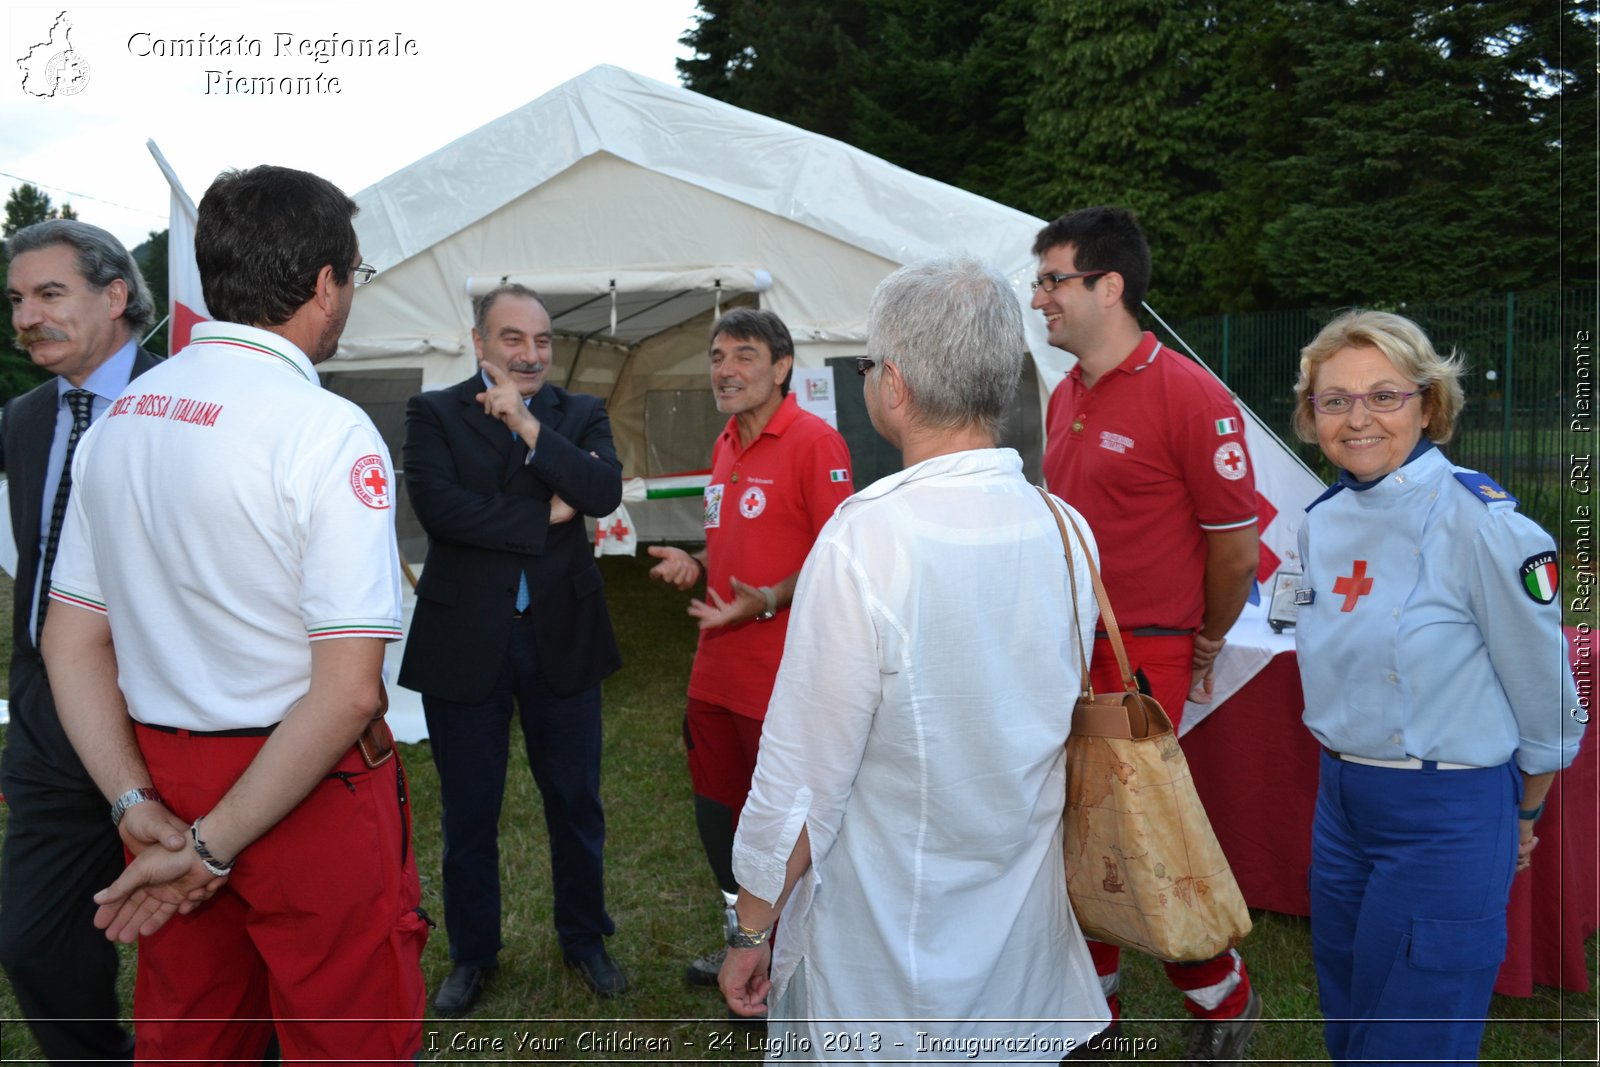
1243 408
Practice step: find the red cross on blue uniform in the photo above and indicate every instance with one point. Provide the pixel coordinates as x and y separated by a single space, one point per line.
1354 585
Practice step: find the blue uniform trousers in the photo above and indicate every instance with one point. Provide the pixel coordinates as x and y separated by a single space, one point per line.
1410 875
471 745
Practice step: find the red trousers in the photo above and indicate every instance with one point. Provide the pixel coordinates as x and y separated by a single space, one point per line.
1167 665
722 746
317 934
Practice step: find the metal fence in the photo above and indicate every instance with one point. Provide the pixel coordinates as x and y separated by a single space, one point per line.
1518 381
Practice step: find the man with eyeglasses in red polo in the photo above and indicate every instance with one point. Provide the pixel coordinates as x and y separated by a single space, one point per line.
1150 448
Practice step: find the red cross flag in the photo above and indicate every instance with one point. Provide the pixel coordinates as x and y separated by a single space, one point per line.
615 535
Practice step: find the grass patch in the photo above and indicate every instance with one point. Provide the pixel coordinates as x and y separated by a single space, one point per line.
667 908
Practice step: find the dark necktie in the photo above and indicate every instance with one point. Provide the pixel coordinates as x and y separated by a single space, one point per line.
523 597
80 401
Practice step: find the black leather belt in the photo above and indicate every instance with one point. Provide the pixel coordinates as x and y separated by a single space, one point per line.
243 731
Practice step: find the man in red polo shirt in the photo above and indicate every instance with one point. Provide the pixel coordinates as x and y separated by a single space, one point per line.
777 473
1150 448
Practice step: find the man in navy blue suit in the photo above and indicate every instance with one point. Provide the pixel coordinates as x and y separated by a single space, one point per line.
510 611
78 306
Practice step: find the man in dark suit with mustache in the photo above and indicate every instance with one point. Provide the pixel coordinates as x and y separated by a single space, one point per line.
78 306
510 609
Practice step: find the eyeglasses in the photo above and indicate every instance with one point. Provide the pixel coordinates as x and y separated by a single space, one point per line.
864 364
1048 282
363 273
1379 401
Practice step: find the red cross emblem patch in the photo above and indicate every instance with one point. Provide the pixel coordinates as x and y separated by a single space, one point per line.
1229 461
752 502
370 482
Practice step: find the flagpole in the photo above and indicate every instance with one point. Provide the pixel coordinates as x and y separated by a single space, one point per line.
156 329
172 177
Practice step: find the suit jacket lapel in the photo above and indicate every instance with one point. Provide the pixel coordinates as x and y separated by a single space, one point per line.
36 417
546 407
35 430
492 430
506 445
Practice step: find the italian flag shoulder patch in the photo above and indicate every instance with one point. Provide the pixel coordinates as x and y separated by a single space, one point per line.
1539 576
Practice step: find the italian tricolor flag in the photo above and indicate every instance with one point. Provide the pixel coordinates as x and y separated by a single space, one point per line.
1539 576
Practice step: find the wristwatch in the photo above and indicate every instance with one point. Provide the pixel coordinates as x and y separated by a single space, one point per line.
128 800
744 937
772 604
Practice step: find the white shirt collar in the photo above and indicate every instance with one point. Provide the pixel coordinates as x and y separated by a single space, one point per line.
264 344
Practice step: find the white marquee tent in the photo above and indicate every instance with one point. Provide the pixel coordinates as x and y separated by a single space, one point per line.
637 210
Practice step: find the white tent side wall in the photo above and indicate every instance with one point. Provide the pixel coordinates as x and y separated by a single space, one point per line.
601 213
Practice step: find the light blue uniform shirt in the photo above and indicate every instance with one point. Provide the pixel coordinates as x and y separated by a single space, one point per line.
1423 639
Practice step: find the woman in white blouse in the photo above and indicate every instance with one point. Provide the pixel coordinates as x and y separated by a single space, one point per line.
905 816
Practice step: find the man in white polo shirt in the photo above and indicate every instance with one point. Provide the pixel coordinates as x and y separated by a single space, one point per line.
229 558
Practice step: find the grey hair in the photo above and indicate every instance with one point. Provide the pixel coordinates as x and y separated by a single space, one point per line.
953 327
481 306
101 260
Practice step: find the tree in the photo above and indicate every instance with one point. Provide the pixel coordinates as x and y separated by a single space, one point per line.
1577 123
1158 105
936 86
941 91
1279 153
717 58
29 204
797 61
1428 167
152 259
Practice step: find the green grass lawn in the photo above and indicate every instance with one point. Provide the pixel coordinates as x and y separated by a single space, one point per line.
667 909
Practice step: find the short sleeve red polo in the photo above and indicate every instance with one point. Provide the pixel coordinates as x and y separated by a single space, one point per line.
1154 457
764 507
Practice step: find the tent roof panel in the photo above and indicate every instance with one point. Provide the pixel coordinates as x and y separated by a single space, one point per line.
779 168
771 167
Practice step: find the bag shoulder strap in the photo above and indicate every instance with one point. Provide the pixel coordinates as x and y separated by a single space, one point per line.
1107 616
1084 686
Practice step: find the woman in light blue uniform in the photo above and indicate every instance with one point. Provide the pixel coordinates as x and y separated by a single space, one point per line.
1436 678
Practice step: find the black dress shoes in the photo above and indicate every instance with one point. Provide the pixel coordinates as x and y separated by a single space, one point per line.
600 973
459 993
